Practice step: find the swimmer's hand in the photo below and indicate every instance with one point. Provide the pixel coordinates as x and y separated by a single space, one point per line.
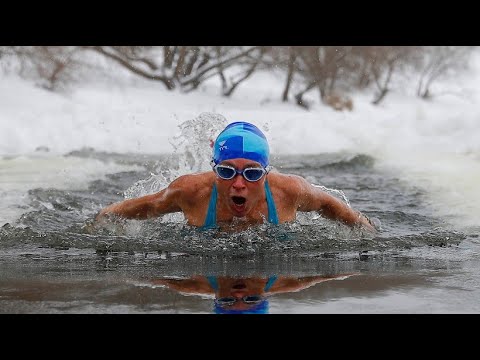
373 224
101 222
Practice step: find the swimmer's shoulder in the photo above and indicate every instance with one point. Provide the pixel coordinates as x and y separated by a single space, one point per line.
289 183
192 186
286 186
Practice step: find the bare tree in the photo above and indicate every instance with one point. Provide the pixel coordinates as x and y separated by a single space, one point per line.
332 70
50 66
285 59
299 95
140 60
362 61
386 60
438 61
291 54
185 67
320 67
245 68
221 60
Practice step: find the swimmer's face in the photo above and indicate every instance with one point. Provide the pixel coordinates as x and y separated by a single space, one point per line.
238 289
239 195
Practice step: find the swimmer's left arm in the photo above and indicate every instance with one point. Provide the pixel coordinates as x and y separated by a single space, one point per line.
289 284
315 199
194 285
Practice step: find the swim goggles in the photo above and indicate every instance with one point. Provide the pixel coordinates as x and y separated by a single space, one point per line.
230 300
250 174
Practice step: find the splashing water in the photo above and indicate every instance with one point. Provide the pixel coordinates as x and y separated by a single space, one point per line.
194 143
192 153
334 192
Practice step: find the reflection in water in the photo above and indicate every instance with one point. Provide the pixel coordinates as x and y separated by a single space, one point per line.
53 261
243 295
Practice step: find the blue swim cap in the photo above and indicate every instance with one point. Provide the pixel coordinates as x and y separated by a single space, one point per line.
241 140
260 308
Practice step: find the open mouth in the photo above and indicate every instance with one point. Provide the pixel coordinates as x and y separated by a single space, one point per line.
239 286
238 200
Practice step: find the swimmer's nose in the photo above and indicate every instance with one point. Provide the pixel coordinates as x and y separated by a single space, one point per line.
239 182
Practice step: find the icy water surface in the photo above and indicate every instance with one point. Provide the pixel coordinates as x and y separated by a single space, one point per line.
53 261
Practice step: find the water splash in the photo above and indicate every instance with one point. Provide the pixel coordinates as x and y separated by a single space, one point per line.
195 140
327 240
192 153
334 192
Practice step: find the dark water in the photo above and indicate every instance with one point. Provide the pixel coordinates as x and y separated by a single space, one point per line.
52 260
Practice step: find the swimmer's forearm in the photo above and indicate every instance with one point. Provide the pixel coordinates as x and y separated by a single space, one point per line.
128 209
144 207
337 210
356 218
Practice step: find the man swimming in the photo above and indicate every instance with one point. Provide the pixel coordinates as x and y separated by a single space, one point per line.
240 191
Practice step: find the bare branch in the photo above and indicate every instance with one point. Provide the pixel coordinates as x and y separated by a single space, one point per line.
197 77
168 82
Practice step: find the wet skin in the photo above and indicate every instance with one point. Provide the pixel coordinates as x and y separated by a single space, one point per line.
238 288
237 195
240 203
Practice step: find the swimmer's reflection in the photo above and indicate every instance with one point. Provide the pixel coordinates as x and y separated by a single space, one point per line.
235 295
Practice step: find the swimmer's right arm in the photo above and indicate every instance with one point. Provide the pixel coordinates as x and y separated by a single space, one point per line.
144 207
314 199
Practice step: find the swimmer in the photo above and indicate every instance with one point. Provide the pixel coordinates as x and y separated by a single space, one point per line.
240 191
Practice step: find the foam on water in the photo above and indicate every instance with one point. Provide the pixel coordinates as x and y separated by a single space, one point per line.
21 173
